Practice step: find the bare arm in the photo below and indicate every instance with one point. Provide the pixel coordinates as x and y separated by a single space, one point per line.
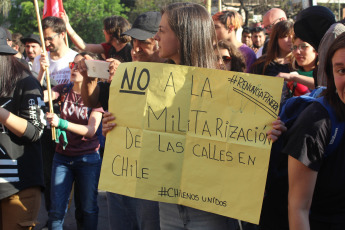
78 41
44 63
15 124
301 188
88 130
304 80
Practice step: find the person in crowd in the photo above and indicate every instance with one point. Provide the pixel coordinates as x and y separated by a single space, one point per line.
247 36
33 48
125 212
175 39
304 61
317 181
226 23
59 55
76 158
229 58
57 59
145 48
278 56
21 174
117 44
272 17
258 38
18 45
316 26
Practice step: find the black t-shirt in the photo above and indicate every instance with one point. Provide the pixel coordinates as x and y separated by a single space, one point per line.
272 69
21 157
306 142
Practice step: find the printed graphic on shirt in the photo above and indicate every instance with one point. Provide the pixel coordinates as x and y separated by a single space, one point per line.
8 171
73 109
8 166
61 76
36 113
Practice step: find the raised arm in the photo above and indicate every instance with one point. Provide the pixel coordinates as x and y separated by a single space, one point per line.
78 41
89 88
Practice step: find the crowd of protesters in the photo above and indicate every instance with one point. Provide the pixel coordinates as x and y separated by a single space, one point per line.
305 187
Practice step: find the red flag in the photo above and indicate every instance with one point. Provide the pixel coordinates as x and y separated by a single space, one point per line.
52 8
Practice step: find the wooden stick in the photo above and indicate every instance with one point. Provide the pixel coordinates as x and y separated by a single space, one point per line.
51 110
66 39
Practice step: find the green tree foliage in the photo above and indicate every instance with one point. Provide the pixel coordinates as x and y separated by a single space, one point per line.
21 17
86 16
142 6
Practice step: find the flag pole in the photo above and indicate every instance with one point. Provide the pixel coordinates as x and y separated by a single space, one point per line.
46 69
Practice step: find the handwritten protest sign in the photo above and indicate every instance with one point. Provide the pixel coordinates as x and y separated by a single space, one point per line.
191 136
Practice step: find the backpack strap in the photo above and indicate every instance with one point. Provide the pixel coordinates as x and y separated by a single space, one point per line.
337 130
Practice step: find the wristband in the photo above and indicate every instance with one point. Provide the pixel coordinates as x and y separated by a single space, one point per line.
63 124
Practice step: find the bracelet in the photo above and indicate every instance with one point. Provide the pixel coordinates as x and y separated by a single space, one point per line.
63 124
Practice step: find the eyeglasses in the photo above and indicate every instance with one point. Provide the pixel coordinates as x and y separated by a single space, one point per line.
51 38
73 65
300 47
226 58
269 27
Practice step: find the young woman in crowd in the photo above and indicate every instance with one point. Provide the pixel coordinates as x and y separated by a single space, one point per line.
317 181
278 56
21 171
179 43
229 58
304 61
77 158
116 44
226 24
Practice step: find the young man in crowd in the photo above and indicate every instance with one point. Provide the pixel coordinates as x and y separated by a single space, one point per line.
247 36
272 17
127 213
33 48
258 38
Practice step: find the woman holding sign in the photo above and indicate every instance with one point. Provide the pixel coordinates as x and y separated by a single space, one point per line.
179 43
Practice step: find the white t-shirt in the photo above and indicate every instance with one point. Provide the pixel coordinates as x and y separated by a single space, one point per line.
259 53
58 69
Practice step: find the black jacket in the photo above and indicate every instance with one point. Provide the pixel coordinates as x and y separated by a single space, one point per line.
20 157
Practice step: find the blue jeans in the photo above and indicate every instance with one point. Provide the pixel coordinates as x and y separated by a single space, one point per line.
128 213
84 172
179 217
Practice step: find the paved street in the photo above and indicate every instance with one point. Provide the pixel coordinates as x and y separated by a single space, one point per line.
70 223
